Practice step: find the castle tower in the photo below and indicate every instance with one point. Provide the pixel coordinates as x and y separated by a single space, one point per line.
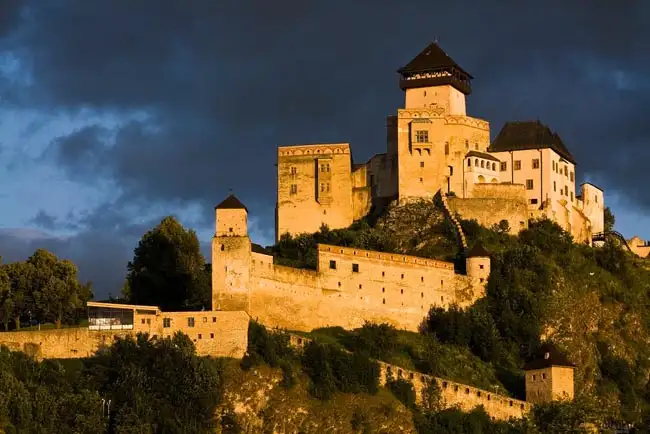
231 256
549 376
477 263
433 80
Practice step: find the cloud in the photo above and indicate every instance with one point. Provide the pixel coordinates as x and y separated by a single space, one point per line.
218 85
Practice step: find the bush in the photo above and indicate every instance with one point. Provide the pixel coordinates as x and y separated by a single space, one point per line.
403 391
376 340
263 346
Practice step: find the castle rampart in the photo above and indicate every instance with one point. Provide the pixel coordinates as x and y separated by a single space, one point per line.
452 394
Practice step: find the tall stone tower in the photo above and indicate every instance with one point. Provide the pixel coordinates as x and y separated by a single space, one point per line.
434 80
432 134
549 376
231 257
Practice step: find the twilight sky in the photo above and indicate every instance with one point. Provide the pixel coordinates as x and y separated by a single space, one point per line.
115 113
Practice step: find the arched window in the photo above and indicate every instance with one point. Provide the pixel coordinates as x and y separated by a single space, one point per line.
446 148
482 164
476 162
494 167
469 162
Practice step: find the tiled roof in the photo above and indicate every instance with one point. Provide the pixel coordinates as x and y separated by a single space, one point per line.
546 356
483 155
525 135
432 57
478 251
231 202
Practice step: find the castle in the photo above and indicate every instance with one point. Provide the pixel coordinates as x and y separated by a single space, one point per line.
433 146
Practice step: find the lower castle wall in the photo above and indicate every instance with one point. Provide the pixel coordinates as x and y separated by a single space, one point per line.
453 394
491 211
398 290
217 334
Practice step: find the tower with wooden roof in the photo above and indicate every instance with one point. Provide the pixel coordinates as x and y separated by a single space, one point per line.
231 256
433 79
549 376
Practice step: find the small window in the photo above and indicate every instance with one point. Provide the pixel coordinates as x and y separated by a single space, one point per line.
571 177
517 164
566 191
476 146
214 319
475 162
533 201
190 322
422 279
402 276
401 291
360 287
543 376
481 280
446 148
142 320
383 301
333 265
422 136
482 164
534 377
421 179
211 335
223 247
200 336
422 295
383 273
480 266
494 167
571 196
529 184
294 189
566 171
355 268
421 163
536 163
469 162
466 144
554 186
504 166
167 322
148 321
383 289
229 229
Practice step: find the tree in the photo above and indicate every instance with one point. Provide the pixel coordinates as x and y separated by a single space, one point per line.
55 287
610 219
22 301
6 303
168 269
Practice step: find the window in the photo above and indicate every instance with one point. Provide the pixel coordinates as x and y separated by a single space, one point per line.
571 196
533 201
142 320
294 171
529 184
422 136
469 162
482 164
543 376
476 147
355 268
167 322
566 190
322 187
190 322
327 187
383 289
421 179
401 291
566 171
383 301
504 166
553 165
554 186
229 229
211 335
422 279
494 167
402 276
223 247
476 162
466 144
571 176
534 377
294 189
517 164
480 266
214 319
446 148
536 163
383 273
149 321
421 163
332 265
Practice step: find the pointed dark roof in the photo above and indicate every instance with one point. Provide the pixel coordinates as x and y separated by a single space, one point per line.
524 135
231 202
432 57
546 356
478 251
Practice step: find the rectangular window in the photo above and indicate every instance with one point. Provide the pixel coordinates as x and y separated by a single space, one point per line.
148 321
504 166
214 319
421 163
566 190
211 335
294 189
333 265
571 196
554 186
536 163
167 322
355 268
517 164
190 322
205 319
422 136
533 201
529 184
200 336
294 171
571 176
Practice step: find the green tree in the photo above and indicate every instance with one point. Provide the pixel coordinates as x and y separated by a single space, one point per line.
6 302
55 287
610 219
168 269
22 300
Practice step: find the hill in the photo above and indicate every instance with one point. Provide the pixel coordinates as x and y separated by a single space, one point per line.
592 302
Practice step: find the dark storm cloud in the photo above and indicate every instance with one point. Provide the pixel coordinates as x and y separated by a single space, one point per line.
223 83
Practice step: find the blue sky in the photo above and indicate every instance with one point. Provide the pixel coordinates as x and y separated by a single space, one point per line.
115 114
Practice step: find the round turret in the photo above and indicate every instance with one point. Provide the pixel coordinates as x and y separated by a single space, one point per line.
477 263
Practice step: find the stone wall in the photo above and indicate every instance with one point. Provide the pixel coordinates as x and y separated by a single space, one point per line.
352 286
217 334
453 394
492 210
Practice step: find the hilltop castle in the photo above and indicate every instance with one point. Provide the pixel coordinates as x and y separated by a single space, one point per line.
433 146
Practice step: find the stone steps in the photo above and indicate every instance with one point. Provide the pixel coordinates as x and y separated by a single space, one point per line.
454 220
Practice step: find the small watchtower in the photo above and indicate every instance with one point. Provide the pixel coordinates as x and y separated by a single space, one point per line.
477 263
549 376
231 256
433 79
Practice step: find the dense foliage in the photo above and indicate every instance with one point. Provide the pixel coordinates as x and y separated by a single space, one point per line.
41 289
168 269
152 385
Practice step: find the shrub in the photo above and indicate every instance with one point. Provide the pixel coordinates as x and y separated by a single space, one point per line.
403 391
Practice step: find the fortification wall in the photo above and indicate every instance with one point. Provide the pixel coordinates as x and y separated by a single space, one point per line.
362 285
488 211
217 334
453 394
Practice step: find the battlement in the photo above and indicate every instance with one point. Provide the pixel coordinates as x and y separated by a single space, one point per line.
311 150
395 258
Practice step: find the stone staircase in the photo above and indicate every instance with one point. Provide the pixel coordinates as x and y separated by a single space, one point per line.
459 229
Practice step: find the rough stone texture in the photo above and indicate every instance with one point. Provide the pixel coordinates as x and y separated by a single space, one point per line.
548 384
491 211
218 334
